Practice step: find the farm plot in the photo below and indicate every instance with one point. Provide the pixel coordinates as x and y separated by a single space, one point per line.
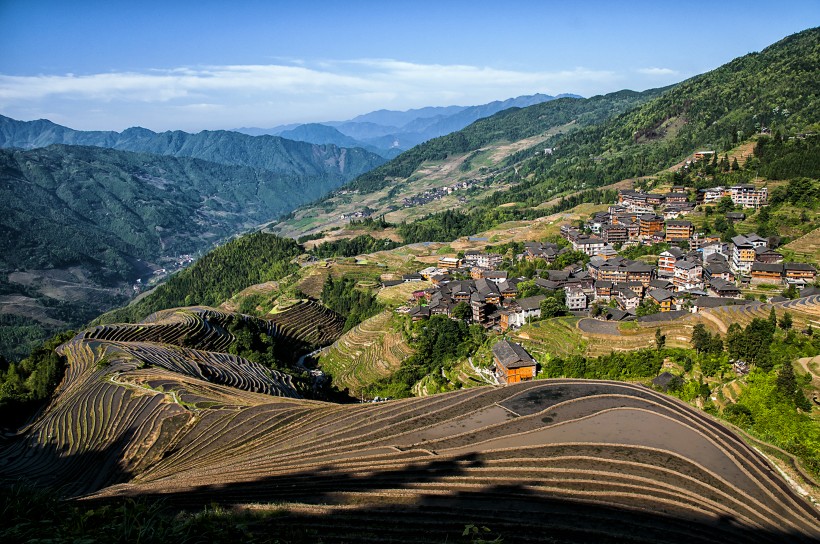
579 460
308 323
366 353
590 460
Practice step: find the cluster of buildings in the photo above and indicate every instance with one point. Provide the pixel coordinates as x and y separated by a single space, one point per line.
437 193
697 271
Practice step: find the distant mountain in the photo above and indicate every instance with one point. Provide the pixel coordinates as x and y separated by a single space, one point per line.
389 132
401 118
80 224
273 153
317 133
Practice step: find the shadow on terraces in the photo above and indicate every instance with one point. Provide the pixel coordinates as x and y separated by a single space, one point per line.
383 505
24 461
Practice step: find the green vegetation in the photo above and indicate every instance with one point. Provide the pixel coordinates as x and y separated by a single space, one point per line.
36 376
439 342
508 125
342 296
349 247
246 261
451 224
619 365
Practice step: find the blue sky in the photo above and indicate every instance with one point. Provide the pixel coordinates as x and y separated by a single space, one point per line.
211 65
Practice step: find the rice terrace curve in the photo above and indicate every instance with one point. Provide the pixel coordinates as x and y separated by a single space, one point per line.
578 460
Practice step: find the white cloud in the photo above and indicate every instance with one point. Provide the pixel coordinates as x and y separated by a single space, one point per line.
658 72
264 95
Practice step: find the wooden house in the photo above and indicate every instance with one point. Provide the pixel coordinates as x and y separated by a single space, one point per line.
512 363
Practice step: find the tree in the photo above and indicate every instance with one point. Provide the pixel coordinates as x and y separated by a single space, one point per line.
786 321
725 205
772 319
660 339
701 338
647 307
734 341
463 311
550 307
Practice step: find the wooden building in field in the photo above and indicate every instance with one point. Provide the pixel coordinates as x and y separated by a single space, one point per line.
512 363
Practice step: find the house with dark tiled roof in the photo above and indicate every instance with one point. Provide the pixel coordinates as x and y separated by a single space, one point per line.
799 273
766 273
512 362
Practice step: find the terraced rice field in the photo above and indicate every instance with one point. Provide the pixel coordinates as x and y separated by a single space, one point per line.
557 336
369 351
807 246
575 460
397 295
803 311
309 323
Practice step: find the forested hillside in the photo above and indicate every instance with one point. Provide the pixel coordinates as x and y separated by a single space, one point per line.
80 224
772 91
248 260
508 125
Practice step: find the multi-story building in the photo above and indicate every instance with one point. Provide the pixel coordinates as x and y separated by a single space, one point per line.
676 198
677 231
667 260
799 273
743 252
576 299
766 273
640 272
588 244
688 275
710 195
615 234
449 262
481 259
748 196
517 313
649 224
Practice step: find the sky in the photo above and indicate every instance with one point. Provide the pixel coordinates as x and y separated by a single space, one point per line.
209 65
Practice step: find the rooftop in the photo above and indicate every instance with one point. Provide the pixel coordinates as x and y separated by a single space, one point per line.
512 355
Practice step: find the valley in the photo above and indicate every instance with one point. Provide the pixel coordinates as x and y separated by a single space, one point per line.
586 319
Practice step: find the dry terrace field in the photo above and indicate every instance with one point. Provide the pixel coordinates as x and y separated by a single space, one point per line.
578 460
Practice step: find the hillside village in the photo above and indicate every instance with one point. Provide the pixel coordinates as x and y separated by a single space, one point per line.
694 270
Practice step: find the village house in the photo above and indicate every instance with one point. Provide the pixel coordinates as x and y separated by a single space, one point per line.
722 288
615 234
662 297
517 314
688 275
576 299
743 252
676 198
748 196
767 255
799 273
626 298
710 195
766 273
588 244
640 272
449 263
667 260
512 363
650 224
480 259
677 231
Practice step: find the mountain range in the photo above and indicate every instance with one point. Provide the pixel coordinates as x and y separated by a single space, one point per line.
389 132
531 156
